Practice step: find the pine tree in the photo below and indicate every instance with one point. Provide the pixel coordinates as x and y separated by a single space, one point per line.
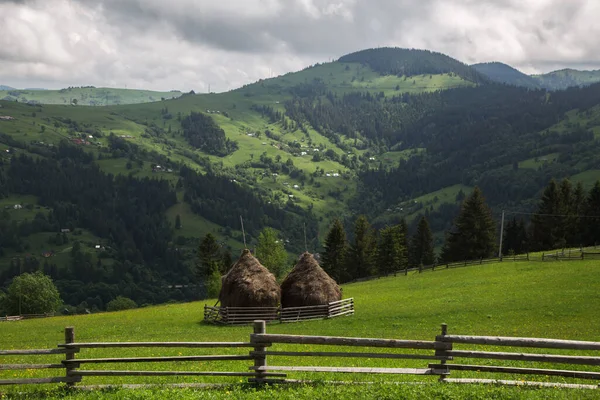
334 256
361 257
474 232
390 252
208 257
404 243
592 209
177 222
545 225
515 237
575 233
422 244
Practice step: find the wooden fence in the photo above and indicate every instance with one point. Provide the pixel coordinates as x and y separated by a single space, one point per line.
25 316
570 254
247 315
442 357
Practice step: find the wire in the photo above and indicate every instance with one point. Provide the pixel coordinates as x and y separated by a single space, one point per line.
552 215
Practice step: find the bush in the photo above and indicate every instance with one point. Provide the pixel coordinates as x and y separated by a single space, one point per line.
32 294
120 303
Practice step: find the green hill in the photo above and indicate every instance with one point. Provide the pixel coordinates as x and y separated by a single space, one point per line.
410 62
333 140
499 72
565 78
85 96
525 299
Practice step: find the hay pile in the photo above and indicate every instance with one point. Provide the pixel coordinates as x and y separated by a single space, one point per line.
249 284
308 284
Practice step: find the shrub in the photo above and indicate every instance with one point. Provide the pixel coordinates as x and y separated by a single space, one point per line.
120 303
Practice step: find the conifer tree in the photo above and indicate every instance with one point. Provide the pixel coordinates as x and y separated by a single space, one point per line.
404 242
474 232
515 237
361 256
545 224
334 256
575 231
209 257
592 209
422 244
390 251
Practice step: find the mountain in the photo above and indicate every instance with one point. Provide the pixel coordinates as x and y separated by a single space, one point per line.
410 62
4 87
565 78
114 199
503 73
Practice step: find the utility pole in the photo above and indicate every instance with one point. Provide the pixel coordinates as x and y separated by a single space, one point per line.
20 287
501 236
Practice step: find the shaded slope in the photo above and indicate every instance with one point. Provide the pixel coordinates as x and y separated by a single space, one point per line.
503 73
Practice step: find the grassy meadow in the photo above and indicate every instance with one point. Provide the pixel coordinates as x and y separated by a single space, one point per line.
530 299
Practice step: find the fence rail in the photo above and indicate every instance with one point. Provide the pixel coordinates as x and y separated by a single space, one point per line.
247 315
25 316
443 360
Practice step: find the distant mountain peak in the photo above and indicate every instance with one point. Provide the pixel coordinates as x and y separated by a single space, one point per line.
503 73
410 62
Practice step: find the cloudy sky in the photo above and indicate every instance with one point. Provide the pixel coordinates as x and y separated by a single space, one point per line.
191 44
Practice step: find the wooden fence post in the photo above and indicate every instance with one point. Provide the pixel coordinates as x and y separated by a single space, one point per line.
441 351
260 327
70 353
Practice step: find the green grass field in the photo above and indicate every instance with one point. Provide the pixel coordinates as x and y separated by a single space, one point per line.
527 299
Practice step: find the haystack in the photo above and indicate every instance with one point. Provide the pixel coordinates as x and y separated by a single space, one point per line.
308 284
249 284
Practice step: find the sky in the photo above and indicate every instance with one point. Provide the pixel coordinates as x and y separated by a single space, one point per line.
224 44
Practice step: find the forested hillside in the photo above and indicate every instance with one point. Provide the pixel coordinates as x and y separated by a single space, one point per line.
502 73
115 200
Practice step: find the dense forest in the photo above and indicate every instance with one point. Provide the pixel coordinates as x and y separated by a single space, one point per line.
203 133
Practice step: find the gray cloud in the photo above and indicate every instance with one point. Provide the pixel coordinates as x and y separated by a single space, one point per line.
189 44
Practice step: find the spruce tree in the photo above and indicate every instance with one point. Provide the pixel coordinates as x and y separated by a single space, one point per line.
390 250
592 213
545 224
575 232
334 256
404 243
361 257
515 237
209 257
422 244
474 232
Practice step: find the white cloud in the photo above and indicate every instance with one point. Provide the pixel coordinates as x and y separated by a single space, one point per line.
190 44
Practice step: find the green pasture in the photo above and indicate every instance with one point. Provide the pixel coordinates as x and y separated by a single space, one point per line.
523 298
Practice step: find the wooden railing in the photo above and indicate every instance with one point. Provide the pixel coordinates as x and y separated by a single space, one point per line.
441 353
517 355
247 315
25 316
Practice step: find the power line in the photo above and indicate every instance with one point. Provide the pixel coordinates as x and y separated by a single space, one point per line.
553 215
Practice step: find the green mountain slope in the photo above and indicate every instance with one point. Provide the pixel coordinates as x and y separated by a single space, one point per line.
565 78
85 96
410 62
503 73
291 152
